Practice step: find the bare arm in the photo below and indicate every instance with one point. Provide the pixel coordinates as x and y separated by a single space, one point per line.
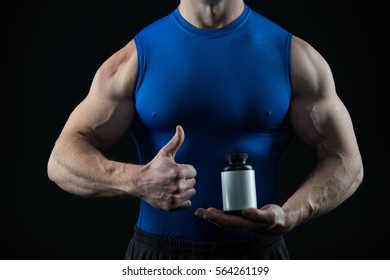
322 121
77 165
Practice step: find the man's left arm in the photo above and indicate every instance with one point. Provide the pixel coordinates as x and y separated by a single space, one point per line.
321 120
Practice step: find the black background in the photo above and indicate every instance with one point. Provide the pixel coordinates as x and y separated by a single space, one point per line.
50 52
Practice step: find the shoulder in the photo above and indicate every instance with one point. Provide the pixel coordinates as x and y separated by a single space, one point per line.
119 71
310 72
122 57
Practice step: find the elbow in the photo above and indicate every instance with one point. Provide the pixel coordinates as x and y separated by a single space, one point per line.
55 171
360 174
358 177
62 178
52 170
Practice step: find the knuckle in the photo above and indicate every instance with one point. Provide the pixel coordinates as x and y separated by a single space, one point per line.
176 169
176 173
176 188
172 200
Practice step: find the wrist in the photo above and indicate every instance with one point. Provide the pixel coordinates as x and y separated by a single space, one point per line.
291 219
135 178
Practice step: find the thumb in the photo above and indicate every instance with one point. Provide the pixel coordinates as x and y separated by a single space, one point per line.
171 148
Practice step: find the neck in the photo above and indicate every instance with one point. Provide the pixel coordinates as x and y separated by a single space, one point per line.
210 14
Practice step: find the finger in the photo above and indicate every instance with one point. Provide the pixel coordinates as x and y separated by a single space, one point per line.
190 183
171 148
184 205
209 213
188 194
187 171
215 211
174 206
233 222
200 212
218 217
181 201
266 214
252 214
184 186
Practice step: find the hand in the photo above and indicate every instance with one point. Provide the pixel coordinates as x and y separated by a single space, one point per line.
166 184
269 220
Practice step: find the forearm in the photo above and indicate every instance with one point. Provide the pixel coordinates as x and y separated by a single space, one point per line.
79 168
330 184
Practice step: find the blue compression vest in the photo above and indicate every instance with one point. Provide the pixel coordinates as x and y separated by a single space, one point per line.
230 90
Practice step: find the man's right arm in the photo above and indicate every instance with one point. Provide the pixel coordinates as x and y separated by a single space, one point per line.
77 164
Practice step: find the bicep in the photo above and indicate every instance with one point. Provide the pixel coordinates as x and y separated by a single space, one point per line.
100 121
318 115
108 109
324 124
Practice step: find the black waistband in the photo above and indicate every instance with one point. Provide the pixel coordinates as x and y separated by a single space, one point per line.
161 243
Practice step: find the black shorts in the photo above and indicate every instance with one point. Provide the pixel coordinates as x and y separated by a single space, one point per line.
146 246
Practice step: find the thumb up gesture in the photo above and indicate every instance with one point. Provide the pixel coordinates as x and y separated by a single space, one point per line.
165 184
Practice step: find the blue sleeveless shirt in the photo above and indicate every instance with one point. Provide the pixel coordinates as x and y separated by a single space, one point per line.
230 90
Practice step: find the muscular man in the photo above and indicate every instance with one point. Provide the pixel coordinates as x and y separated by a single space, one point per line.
234 81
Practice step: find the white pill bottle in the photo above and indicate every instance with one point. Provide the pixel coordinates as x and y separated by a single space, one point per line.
238 184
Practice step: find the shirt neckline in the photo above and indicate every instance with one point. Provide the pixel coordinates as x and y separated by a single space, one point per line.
211 32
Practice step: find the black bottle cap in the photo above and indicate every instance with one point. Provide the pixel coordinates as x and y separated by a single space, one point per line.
237 157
